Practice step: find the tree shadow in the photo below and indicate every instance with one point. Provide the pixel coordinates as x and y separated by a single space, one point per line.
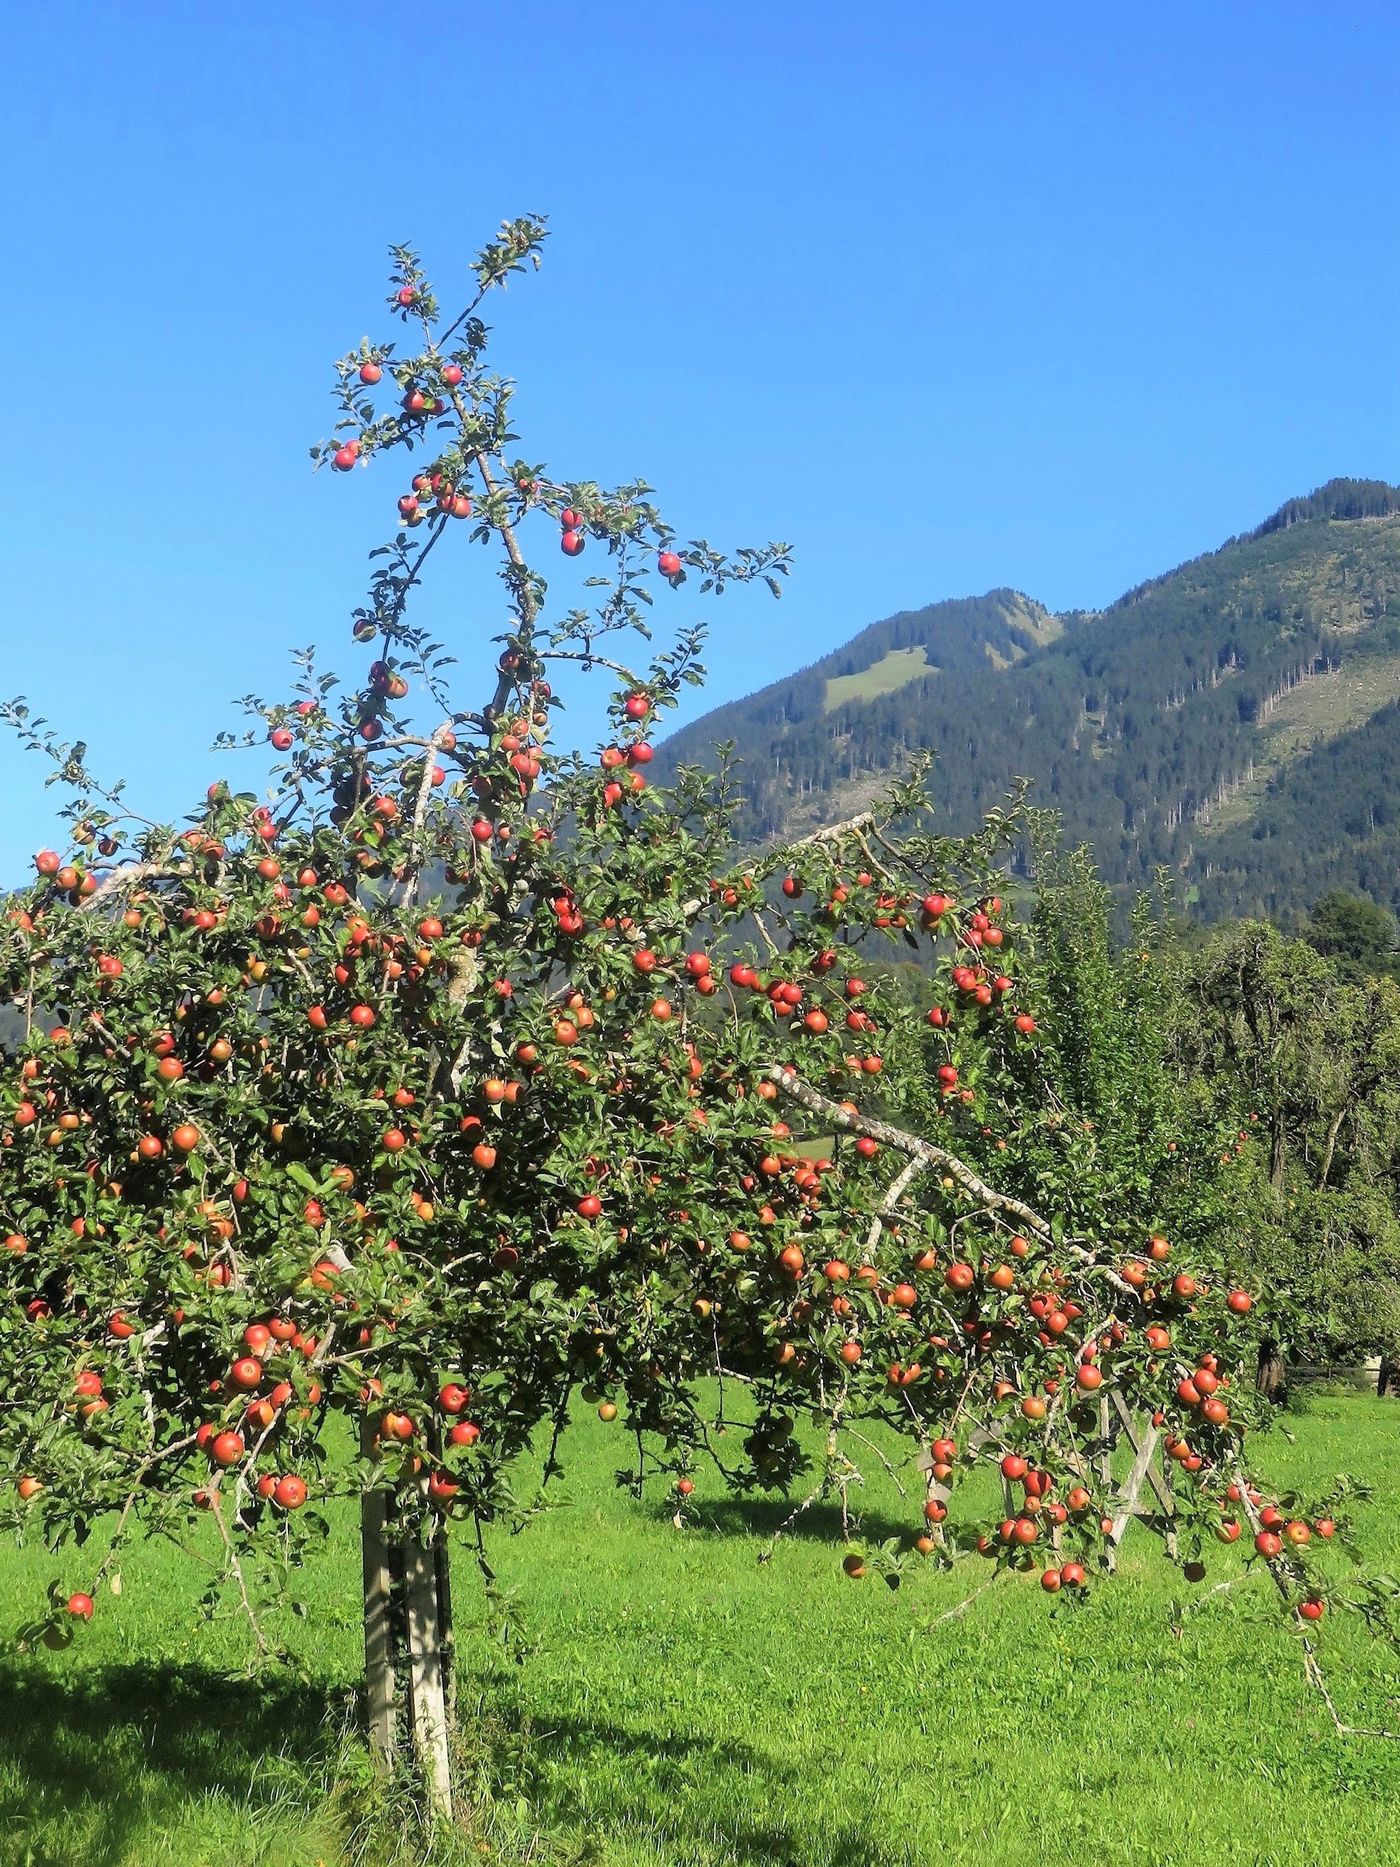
109 1751
114 1756
583 1757
821 1522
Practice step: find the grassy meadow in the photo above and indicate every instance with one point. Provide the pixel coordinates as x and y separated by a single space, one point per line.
682 1706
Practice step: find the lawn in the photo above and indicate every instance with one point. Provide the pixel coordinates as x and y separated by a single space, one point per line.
682 1706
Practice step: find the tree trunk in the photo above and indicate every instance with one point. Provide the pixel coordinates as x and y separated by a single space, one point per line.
1278 1152
1271 1374
408 1644
446 1635
1385 1377
427 1672
1333 1130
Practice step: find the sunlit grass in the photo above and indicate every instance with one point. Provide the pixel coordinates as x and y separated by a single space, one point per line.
684 1706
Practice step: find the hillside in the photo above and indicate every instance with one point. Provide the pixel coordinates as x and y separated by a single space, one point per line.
1236 719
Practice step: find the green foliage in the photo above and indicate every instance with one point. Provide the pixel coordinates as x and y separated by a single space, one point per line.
1284 1048
1360 938
1120 1144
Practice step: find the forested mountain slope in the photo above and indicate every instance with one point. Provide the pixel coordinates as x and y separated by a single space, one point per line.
1235 719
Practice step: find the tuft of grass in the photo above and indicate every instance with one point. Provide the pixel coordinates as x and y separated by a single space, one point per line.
685 1706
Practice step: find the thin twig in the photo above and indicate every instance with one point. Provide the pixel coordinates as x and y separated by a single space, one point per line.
963 1606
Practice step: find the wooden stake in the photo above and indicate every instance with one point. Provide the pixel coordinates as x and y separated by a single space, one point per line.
380 1693
426 1673
1141 1469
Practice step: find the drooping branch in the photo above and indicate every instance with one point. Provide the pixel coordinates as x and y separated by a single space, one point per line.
929 1154
926 1152
1279 1575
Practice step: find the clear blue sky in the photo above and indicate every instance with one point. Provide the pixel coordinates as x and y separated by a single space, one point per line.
947 296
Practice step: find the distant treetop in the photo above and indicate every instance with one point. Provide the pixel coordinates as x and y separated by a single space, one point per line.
1338 499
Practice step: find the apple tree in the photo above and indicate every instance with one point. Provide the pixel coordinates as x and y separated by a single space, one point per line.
352 1132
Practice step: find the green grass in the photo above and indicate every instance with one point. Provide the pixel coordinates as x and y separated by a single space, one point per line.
684 1707
891 671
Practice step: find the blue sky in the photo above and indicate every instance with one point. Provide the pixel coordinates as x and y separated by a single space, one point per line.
948 297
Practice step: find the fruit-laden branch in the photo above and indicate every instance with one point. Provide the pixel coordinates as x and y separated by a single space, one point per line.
929 1154
528 607
925 1151
1279 1574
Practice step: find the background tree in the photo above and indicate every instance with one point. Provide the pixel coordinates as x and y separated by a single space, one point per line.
1280 1043
1360 938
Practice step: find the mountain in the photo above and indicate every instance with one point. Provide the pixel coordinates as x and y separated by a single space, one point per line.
1236 720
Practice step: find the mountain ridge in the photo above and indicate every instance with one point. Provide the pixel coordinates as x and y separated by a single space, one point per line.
1167 727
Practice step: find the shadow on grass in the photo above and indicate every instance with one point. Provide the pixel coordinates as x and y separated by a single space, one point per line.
598 1773
93 1767
99 1759
821 1522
